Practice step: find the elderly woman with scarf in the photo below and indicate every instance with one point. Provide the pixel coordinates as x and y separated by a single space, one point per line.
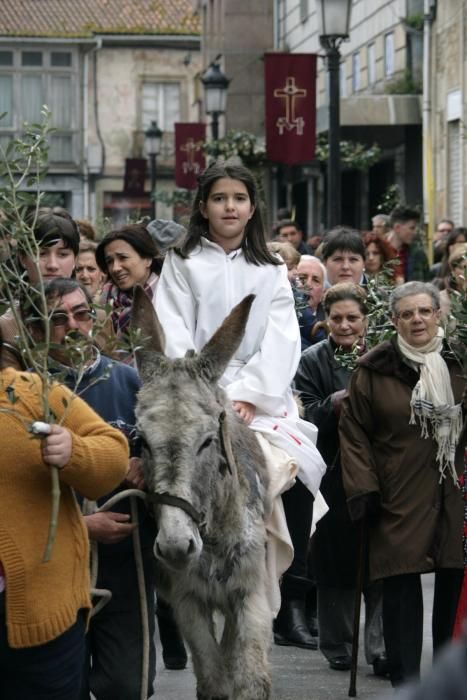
402 442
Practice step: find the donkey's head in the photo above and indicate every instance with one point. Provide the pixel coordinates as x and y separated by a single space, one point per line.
181 416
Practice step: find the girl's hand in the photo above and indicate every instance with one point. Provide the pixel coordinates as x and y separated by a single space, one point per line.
135 476
56 447
245 410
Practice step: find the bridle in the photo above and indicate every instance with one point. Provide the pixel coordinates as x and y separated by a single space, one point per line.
168 499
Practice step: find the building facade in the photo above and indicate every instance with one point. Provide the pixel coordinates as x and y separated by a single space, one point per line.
381 76
446 111
105 71
381 97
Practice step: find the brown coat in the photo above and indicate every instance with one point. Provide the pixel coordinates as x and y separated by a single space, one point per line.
419 527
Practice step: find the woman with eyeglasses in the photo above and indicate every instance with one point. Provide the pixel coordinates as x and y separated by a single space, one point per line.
402 437
322 381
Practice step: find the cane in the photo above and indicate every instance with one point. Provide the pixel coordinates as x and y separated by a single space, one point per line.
358 605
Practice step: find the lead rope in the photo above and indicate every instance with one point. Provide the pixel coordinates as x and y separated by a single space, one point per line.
89 507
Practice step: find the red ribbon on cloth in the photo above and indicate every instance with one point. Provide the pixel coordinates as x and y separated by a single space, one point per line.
290 101
189 157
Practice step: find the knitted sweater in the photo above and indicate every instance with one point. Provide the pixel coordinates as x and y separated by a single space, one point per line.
42 599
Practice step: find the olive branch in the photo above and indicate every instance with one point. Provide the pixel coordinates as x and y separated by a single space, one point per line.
23 164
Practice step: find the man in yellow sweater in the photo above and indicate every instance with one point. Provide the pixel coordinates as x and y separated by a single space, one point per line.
43 606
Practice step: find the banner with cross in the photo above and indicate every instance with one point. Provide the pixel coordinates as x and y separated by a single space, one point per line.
290 102
189 156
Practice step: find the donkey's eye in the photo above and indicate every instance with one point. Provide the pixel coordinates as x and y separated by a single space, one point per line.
205 444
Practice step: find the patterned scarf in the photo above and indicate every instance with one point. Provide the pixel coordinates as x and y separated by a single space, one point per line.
432 401
121 301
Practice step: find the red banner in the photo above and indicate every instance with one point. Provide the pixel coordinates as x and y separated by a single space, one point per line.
135 176
290 101
189 156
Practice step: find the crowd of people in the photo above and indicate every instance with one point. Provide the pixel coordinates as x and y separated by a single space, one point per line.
376 436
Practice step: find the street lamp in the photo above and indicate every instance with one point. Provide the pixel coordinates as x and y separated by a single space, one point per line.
153 140
215 94
334 17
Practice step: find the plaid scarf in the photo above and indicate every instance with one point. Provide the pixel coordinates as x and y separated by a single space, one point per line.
121 301
432 401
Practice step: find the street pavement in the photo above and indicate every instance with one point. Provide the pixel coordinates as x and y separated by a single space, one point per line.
300 674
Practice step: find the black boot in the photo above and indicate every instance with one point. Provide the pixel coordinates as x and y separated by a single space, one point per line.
173 649
290 627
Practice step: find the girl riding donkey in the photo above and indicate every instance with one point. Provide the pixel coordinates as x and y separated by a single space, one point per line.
223 259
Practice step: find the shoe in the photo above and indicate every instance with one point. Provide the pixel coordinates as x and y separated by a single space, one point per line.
173 649
175 659
340 663
381 667
290 628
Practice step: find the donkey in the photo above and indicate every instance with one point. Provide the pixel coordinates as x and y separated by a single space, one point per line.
208 484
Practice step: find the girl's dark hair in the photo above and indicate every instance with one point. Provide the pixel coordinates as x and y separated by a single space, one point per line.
345 291
254 241
138 237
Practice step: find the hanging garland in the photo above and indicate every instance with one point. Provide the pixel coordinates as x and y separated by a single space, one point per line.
353 154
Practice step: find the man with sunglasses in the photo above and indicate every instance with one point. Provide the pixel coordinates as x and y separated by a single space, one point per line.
115 642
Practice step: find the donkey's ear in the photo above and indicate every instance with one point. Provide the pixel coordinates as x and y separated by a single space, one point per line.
144 319
219 350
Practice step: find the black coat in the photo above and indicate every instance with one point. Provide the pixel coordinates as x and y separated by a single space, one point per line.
334 544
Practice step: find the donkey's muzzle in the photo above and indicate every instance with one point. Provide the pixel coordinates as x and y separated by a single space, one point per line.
176 555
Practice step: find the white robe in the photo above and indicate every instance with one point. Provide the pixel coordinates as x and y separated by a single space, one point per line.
194 295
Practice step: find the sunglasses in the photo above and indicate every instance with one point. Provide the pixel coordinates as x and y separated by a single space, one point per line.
61 318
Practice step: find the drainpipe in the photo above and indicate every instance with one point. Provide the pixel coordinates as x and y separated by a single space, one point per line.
428 179
85 137
89 211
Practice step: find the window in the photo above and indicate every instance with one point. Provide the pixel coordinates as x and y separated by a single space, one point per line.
60 59
454 170
161 103
356 71
371 63
29 79
343 86
6 99
31 58
389 54
6 58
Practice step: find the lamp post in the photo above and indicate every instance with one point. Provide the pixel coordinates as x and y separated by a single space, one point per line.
153 140
215 95
334 16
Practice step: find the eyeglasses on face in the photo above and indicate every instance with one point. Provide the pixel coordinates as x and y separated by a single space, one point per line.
61 318
424 312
